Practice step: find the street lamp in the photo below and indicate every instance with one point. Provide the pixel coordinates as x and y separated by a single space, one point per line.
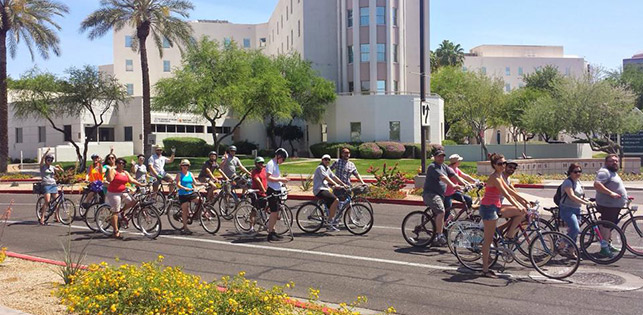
422 86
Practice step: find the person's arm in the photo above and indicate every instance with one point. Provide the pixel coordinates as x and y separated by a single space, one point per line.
570 194
209 173
276 179
196 180
449 183
133 168
150 165
601 188
243 168
261 187
502 186
514 194
177 180
42 159
131 180
59 168
172 156
111 150
111 173
467 177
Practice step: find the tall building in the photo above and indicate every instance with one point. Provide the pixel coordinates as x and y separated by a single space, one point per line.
635 60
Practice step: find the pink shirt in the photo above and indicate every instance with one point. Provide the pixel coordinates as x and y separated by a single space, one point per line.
450 190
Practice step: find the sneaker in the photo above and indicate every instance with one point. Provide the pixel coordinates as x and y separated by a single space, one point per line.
440 241
252 231
279 237
613 249
331 228
605 252
272 236
186 232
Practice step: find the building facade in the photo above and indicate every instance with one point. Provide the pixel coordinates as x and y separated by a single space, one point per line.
636 60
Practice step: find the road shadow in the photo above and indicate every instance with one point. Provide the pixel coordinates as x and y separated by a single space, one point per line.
422 251
463 275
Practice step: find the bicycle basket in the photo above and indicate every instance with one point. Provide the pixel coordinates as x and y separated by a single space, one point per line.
283 196
37 188
96 186
360 190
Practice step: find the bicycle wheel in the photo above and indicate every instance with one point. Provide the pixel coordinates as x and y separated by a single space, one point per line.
456 228
418 229
524 238
209 219
90 217
174 213
310 217
358 219
284 223
149 221
104 220
66 212
364 201
243 217
39 204
554 255
591 239
467 247
226 206
633 230
160 202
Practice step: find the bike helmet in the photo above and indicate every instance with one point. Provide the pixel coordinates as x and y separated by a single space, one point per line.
213 153
94 156
232 148
259 160
281 152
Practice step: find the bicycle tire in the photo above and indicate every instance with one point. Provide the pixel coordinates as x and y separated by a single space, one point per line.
310 217
90 217
174 213
358 219
39 204
209 219
554 255
456 228
227 205
525 241
104 220
242 217
633 230
148 221
66 212
590 244
468 249
364 201
160 202
418 229
284 222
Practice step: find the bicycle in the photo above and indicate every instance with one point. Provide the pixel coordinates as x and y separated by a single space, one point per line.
418 227
63 208
206 214
246 213
161 201
143 216
553 254
86 202
357 217
632 228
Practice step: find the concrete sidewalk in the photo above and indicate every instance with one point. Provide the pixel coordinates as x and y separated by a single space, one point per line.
9 311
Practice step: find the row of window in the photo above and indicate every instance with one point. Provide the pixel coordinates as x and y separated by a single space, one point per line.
365 53
129 41
365 86
364 18
166 44
102 134
129 65
483 70
187 128
393 131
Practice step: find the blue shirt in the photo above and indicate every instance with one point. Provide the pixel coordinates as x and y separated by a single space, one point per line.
187 181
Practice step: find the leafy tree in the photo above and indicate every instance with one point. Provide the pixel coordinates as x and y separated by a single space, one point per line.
33 22
449 83
512 113
147 17
545 79
632 78
545 117
449 54
86 92
289 133
433 62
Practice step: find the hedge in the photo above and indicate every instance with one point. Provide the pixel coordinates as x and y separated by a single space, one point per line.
186 146
245 147
391 150
319 149
370 150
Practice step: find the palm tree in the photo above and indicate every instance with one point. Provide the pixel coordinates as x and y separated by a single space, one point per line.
146 17
32 22
449 54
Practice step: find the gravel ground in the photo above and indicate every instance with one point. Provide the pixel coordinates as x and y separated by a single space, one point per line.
27 286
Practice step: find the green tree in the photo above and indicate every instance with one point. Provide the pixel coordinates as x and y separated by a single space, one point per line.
433 62
449 83
512 113
545 117
546 79
449 54
31 21
632 78
159 18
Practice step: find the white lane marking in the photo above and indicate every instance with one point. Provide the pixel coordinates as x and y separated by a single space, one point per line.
283 249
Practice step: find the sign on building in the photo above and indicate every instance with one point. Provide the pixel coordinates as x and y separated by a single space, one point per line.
632 143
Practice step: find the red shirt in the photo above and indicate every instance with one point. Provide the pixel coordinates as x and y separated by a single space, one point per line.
117 185
261 174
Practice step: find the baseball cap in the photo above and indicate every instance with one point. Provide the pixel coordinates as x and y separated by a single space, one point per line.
455 157
512 162
439 152
325 156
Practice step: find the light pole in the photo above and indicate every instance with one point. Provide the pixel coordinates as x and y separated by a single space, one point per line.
422 87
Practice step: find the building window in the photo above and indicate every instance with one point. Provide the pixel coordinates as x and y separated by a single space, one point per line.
106 134
395 53
299 28
290 6
381 15
127 133
170 128
484 70
18 135
324 132
365 87
166 43
42 134
350 54
364 52
262 42
227 41
160 128
363 16
166 66
356 131
519 70
91 135
246 43
381 87
350 18
180 128
351 86
130 88
287 43
507 87
128 41
394 16
198 129
292 37
396 87
381 52
394 130
286 13
67 133
129 65
507 71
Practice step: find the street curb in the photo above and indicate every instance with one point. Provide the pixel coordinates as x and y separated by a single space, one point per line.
293 302
19 180
554 186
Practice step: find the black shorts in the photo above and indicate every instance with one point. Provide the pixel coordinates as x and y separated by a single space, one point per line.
327 197
186 198
258 202
609 213
273 203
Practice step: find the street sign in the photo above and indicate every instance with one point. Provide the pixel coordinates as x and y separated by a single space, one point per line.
632 142
424 114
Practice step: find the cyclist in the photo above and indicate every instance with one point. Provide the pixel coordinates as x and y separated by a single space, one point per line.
139 169
322 178
230 163
260 183
186 183
49 188
490 207
344 168
207 173
572 200
94 177
451 194
117 193
274 186
109 163
156 165
611 197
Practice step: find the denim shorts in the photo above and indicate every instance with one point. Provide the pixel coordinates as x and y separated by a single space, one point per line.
49 189
489 212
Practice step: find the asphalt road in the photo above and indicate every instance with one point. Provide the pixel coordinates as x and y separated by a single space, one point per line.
379 265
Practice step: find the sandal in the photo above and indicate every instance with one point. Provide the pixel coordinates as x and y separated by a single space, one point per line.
118 236
490 274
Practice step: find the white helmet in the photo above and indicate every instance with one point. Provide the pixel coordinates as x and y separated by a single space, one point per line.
281 152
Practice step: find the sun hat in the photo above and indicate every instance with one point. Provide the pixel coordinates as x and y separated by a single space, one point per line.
185 162
455 157
325 156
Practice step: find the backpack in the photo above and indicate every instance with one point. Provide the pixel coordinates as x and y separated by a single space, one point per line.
560 194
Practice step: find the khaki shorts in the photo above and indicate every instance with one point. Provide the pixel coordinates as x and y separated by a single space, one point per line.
116 200
434 201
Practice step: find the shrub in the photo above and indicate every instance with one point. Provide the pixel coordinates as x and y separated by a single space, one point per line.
448 142
9 176
319 149
390 178
370 150
354 148
383 193
186 146
266 153
392 150
411 151
529 179
245 147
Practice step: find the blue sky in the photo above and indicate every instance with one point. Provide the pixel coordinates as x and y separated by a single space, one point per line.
604 32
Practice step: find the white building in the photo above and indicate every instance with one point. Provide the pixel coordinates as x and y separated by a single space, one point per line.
368 48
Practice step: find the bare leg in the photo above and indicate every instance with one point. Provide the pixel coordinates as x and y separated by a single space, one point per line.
115 224
439 223
45 205
184 214
489 230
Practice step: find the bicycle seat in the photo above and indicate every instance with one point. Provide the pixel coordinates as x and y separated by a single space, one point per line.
550 209
592 199
630 198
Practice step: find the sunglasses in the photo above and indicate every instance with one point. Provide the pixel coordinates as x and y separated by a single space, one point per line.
49 160
122 163
501 163
326 160
346 152
577 172
111 158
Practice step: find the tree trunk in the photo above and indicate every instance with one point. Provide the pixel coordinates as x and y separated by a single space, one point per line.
4 106
271 133
142 32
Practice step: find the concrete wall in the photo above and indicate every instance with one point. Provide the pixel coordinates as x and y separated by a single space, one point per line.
560 166
566 150
67 152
